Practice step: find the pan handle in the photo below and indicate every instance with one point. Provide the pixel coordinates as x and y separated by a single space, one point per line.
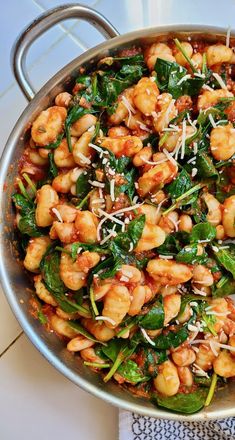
44 22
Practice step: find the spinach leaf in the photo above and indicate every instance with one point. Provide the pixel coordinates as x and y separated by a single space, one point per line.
181 402
55 144
130 371
74 113
224 188
171 339
129 186
78 327
205 166
154 318
169 78
226 257
120 245
186 299
87 247
163 70
83 187
50 269
226 289
189 255
53 170
203 231
27 225
22 203
173 243
180 185
105 269
117 350
84 79
152 358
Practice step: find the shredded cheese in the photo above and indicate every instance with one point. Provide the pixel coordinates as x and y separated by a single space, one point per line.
169 157
146 336
112 186
96 183
83 158
149 162
199 371
111 217
166 257
219 80
212 121
183 139
206 87
57 213
105 318
184 78
199 292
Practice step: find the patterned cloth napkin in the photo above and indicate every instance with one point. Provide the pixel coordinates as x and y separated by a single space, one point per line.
135 427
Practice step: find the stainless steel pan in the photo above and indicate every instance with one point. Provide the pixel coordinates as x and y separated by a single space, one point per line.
14 280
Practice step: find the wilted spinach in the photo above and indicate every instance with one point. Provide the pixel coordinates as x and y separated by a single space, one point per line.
170 78
181 402
203 231
180 185
83 187
27 224
130 371
154 318
171 339
226 257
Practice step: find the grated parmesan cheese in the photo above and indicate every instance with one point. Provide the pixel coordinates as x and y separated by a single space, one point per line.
105 318
184 78
219 80
146 336
212 121
96 183
83 158
57 213
112 186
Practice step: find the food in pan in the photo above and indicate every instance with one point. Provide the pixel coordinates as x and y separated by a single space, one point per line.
125 211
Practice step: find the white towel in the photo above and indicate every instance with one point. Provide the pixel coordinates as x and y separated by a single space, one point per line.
135 427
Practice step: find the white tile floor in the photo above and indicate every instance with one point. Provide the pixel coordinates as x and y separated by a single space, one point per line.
36 401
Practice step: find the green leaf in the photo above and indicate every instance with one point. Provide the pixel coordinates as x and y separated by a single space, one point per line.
74 113
189 255
53 170
227 289
154 318
41 317
130 371
171 339
173 243
55 144
181 402
121 350
226 257
83 187
203 231
180 185
22 203
135 229
224 188
152 358
50 268
169 76
78 327
120 245
27 225
87 247
205 166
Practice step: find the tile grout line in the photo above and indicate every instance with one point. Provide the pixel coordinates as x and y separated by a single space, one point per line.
11 344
